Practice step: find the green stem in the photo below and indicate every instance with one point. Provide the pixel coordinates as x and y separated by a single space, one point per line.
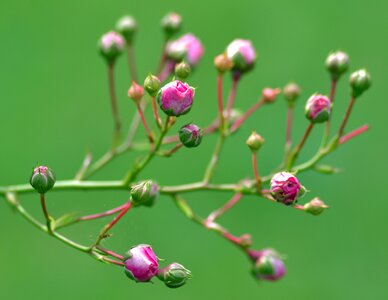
210 170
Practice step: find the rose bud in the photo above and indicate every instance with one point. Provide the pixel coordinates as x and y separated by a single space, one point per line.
174 275
182 70
136 92
190 135
291 92
141 263
144 193
176 98
171 24
268 265
360 81
111 45
127 27
315 207
242 54
152 85
187 47
223 63
255 141
42 179
269 95
286 188
318 108
337 63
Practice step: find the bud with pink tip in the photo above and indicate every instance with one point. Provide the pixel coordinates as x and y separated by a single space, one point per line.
285 188
318 108
111 45
174 275
190 135
176 98
268 265
291 92
144 193
42 179
337 63
223 63
255 141
127 27
187 47
242 54
269 94
141 263
315 206
171 24
136 92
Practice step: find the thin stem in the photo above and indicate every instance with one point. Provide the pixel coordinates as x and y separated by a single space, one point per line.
132 62
156 113
290 113
353 134
45 212
115 109
219 212
220 101
110 252
112 261
210 170
144 122
246 115
103 214
346 117
255 170
163 58
167 70
299 147
84 167
232 95
173 150
326 135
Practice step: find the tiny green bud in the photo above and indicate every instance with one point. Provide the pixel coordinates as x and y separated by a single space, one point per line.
152 85
42 179
315 207
171 24
144 193
182 70
337 63
255 141
291 92
360 81
174 275
223 63
127 27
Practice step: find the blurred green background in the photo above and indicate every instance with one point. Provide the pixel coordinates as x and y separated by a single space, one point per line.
54 104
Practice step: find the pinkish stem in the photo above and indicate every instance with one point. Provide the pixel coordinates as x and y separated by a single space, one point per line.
255 170
246 115
156 113
219 212
219 100
103 214
232 95
346 117
110 252
144 122
353 134
167 70
290 112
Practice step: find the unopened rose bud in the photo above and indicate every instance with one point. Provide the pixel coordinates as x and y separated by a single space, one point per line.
176 98
242 54
234 115
285 188
42 179
171 24
144 193
111 45
315 207
187 47
268 265
255 141
174 275
136 92
182 70
141 263
291 92
269 95
152 85
337 63
318 108
190 135
127 27
360 81
223 63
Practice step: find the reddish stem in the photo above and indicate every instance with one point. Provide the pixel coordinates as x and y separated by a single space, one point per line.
353 134
255 170
167 70
232 202
246 115
290 112
103 214
144 122
110 252
115 109
232 95
332 94
219 99
156 113
163 58
346 117
132 63
304 138
115 262
175 149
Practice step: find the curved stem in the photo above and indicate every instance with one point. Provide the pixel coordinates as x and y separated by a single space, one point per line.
246 115
45 212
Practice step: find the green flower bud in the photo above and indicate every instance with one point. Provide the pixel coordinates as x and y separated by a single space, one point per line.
152 85
291 92
360 81
144 193
315 207
337 63
190 135
171 24
182 70
127 27
42 179
174 275
255 141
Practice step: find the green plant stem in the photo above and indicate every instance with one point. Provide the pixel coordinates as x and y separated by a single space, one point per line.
210 170
295 153
132 63
45 212
326 134
115 108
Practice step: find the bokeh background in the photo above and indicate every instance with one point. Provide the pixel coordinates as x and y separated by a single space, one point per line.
54 106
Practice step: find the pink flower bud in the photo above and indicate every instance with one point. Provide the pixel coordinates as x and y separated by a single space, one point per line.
141 263
187 47
318 108
269 94
176 98
136 92
268 265
242 54
286 188
111 45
